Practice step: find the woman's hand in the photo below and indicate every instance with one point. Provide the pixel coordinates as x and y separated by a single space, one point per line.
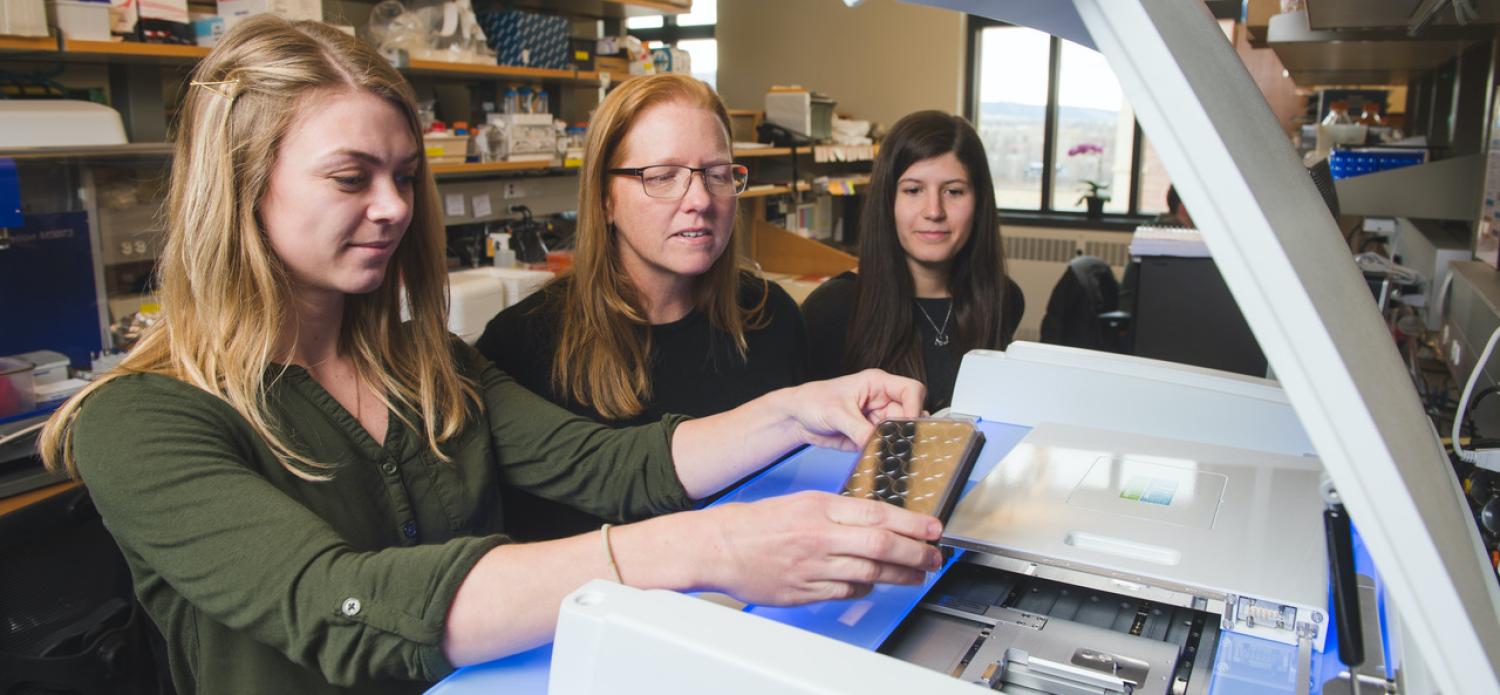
842 413
813 546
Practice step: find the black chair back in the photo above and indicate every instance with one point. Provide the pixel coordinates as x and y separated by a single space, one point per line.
1084 309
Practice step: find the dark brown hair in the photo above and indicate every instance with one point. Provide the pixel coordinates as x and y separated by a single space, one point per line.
880 330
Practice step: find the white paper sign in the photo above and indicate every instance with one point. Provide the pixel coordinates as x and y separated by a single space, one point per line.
482 205
455 204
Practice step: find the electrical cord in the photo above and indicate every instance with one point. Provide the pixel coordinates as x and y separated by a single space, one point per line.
1474 457
13 436
1463 11
1440 302
1371 262
1474 406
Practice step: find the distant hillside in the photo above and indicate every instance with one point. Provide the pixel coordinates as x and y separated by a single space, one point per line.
1009 111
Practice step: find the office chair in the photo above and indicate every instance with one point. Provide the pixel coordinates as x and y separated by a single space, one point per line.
71 623
1083 310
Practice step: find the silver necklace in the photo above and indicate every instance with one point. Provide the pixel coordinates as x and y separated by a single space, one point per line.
942 333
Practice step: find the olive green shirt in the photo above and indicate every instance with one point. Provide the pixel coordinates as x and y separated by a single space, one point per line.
263 582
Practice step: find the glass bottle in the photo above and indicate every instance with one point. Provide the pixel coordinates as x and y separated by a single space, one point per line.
1338 114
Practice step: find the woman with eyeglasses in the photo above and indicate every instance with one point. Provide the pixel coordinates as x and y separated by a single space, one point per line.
657 315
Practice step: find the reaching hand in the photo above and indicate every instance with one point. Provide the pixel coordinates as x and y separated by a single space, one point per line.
842 413
813 546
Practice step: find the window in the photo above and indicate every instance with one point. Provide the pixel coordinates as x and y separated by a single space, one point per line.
1011 115
646 22
692 32
705 53
1094 134
1055 123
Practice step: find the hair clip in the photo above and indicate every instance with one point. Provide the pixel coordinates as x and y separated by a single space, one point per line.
223 88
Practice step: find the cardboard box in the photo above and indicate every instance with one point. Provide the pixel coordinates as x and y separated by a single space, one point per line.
616 65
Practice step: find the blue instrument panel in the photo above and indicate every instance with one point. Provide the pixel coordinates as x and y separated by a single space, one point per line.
1243 665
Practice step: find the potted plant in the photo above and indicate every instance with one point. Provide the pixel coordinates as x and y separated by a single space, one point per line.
1094 192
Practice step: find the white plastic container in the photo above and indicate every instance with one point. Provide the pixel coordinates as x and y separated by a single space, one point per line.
23 18
474 297
54 122
60 391
235 10
80 21
17 390
519 282
49 367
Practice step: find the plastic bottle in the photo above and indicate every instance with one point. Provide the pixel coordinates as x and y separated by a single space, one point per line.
1338 114
500 248
524 97
542 104
511 102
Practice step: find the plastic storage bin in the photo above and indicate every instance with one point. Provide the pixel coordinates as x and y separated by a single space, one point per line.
17 391
23 18
1348 163
80 20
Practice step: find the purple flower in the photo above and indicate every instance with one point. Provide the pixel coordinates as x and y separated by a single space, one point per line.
1085 148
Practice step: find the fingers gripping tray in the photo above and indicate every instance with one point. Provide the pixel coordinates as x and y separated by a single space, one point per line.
920 464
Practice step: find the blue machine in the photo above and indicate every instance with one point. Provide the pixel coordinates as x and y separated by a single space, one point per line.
1242 665
48 273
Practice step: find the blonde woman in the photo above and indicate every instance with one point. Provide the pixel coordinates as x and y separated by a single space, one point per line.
656 317
306 488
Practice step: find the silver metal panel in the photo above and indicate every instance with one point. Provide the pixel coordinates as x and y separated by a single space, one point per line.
1212 521
1360 14
1287 266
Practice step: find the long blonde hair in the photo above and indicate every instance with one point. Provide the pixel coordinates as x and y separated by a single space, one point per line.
604 337
224 292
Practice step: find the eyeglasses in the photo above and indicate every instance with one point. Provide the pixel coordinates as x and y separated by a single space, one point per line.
672 180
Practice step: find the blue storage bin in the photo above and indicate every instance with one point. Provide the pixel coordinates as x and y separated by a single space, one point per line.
1348 163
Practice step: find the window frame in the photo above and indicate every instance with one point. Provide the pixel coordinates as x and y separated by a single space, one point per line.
670 32
1045 215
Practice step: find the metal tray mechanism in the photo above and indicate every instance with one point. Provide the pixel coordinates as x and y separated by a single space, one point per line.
1027 635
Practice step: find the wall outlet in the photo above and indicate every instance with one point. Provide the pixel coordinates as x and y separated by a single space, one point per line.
514 190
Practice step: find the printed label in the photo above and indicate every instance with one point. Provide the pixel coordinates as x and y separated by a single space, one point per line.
1141 488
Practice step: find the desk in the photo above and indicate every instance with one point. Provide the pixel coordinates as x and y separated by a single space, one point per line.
1243 665
26 499
809 469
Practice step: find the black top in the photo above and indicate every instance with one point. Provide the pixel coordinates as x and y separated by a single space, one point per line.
695 371
829 307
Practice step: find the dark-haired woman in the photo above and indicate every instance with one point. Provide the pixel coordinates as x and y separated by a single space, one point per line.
931 283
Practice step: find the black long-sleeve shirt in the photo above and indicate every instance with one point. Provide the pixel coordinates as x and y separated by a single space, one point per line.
695 370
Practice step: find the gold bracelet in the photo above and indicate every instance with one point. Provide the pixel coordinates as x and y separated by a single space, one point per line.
609 552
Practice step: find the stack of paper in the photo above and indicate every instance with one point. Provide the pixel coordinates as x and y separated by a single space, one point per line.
1168 241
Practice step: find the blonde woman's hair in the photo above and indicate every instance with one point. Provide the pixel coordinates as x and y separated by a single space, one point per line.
604 344
225 294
